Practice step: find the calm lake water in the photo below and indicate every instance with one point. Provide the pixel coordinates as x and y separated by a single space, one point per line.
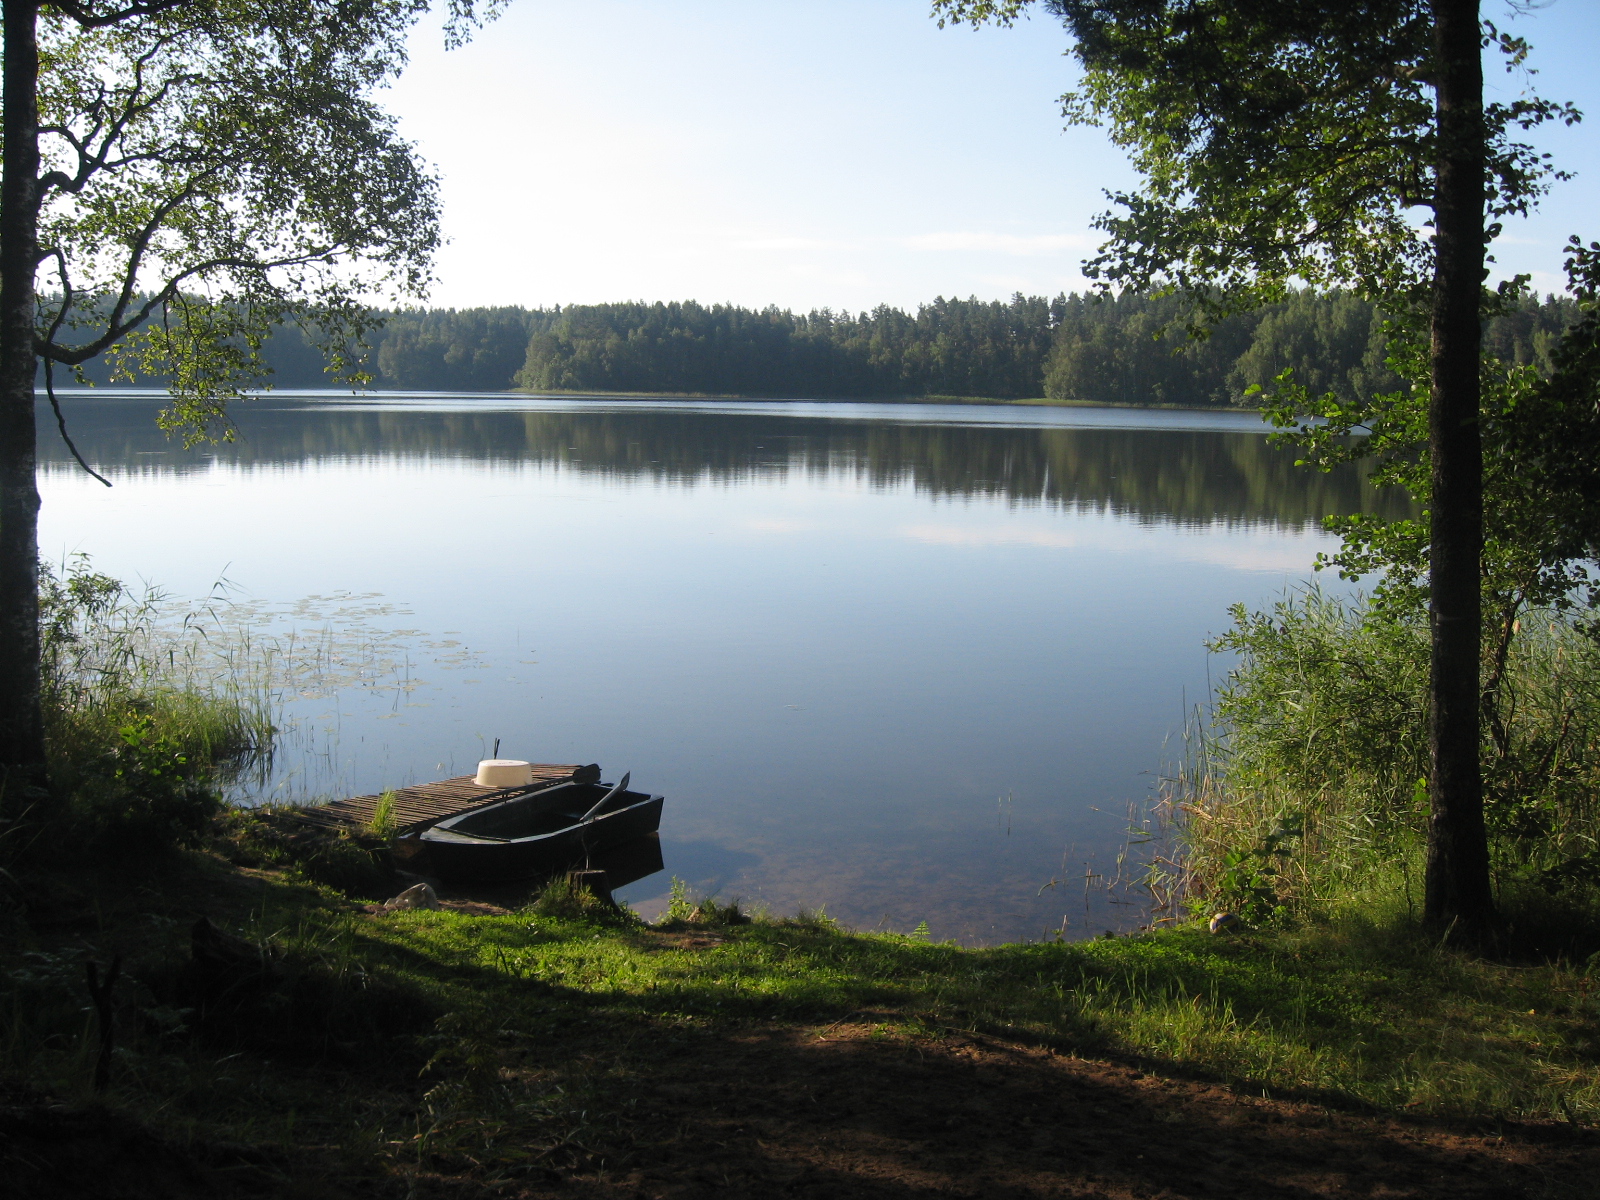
902 662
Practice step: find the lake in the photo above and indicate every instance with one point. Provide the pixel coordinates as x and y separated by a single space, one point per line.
898 662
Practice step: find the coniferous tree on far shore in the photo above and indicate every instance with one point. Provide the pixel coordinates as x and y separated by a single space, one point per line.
1126 349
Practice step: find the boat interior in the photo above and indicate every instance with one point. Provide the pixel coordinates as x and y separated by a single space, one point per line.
539 813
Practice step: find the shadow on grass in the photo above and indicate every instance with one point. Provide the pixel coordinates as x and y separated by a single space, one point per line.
1360 1017
864 1109
791 1056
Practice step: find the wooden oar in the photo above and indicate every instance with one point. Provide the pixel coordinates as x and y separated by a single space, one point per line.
601 803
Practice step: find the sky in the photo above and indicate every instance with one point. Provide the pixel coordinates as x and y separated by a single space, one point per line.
818 153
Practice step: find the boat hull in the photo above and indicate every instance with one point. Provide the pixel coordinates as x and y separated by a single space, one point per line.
474 847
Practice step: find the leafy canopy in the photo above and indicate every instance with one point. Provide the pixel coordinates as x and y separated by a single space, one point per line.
1278 140
1541 442
213 168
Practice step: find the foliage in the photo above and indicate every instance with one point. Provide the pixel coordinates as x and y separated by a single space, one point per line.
1541 475
950 347
1544 476
383 818
679 906
562 899
473 349
684 913
1304 118
139 739
1122 349
1277 143
1130 349
354 863
1307 790
1282 144
1287 150
213 169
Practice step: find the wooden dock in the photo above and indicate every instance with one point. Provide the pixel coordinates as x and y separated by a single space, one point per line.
416 808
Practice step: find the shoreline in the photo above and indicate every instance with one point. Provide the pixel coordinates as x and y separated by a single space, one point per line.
111 391
976 401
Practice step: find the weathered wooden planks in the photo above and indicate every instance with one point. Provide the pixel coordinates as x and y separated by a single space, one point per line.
425 804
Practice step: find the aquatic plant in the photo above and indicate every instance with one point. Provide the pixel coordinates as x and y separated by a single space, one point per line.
1302 788
147 718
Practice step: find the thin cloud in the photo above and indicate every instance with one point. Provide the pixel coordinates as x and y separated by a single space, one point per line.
790 243
999 243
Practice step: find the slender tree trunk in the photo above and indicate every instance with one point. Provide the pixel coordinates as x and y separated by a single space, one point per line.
21 726
1457 893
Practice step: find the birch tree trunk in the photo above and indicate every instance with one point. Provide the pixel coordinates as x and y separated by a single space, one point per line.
21 725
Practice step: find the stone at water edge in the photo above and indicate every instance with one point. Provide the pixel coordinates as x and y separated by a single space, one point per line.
419 895
1224 921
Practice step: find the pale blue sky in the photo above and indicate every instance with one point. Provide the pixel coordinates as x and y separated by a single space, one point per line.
813 152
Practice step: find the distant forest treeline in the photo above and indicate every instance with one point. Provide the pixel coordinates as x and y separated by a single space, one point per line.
1121 350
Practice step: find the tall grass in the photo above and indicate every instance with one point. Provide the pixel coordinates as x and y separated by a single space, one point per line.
147 716
383 823
1305 787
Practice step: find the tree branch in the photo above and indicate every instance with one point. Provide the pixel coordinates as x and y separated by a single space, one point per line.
74 355
50 374
87 19
92 161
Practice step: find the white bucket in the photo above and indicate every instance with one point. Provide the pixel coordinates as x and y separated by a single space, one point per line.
503 772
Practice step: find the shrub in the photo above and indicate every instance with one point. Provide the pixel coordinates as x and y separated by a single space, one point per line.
1308 785
142 732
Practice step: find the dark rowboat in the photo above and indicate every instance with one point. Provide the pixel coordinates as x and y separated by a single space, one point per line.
538 833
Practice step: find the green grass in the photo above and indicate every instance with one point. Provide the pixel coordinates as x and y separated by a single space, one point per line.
149 713
383 819
1376 1017
493 1044
1359 1013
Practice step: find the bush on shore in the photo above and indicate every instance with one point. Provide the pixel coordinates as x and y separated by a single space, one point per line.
1306 789
142 730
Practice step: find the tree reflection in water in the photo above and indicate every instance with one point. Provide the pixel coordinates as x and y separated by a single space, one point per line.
1184 475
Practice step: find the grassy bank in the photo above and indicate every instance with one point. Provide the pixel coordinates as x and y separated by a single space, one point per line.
147 718
487 1044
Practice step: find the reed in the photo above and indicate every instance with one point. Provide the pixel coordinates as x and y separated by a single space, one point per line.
150 713
1303 789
